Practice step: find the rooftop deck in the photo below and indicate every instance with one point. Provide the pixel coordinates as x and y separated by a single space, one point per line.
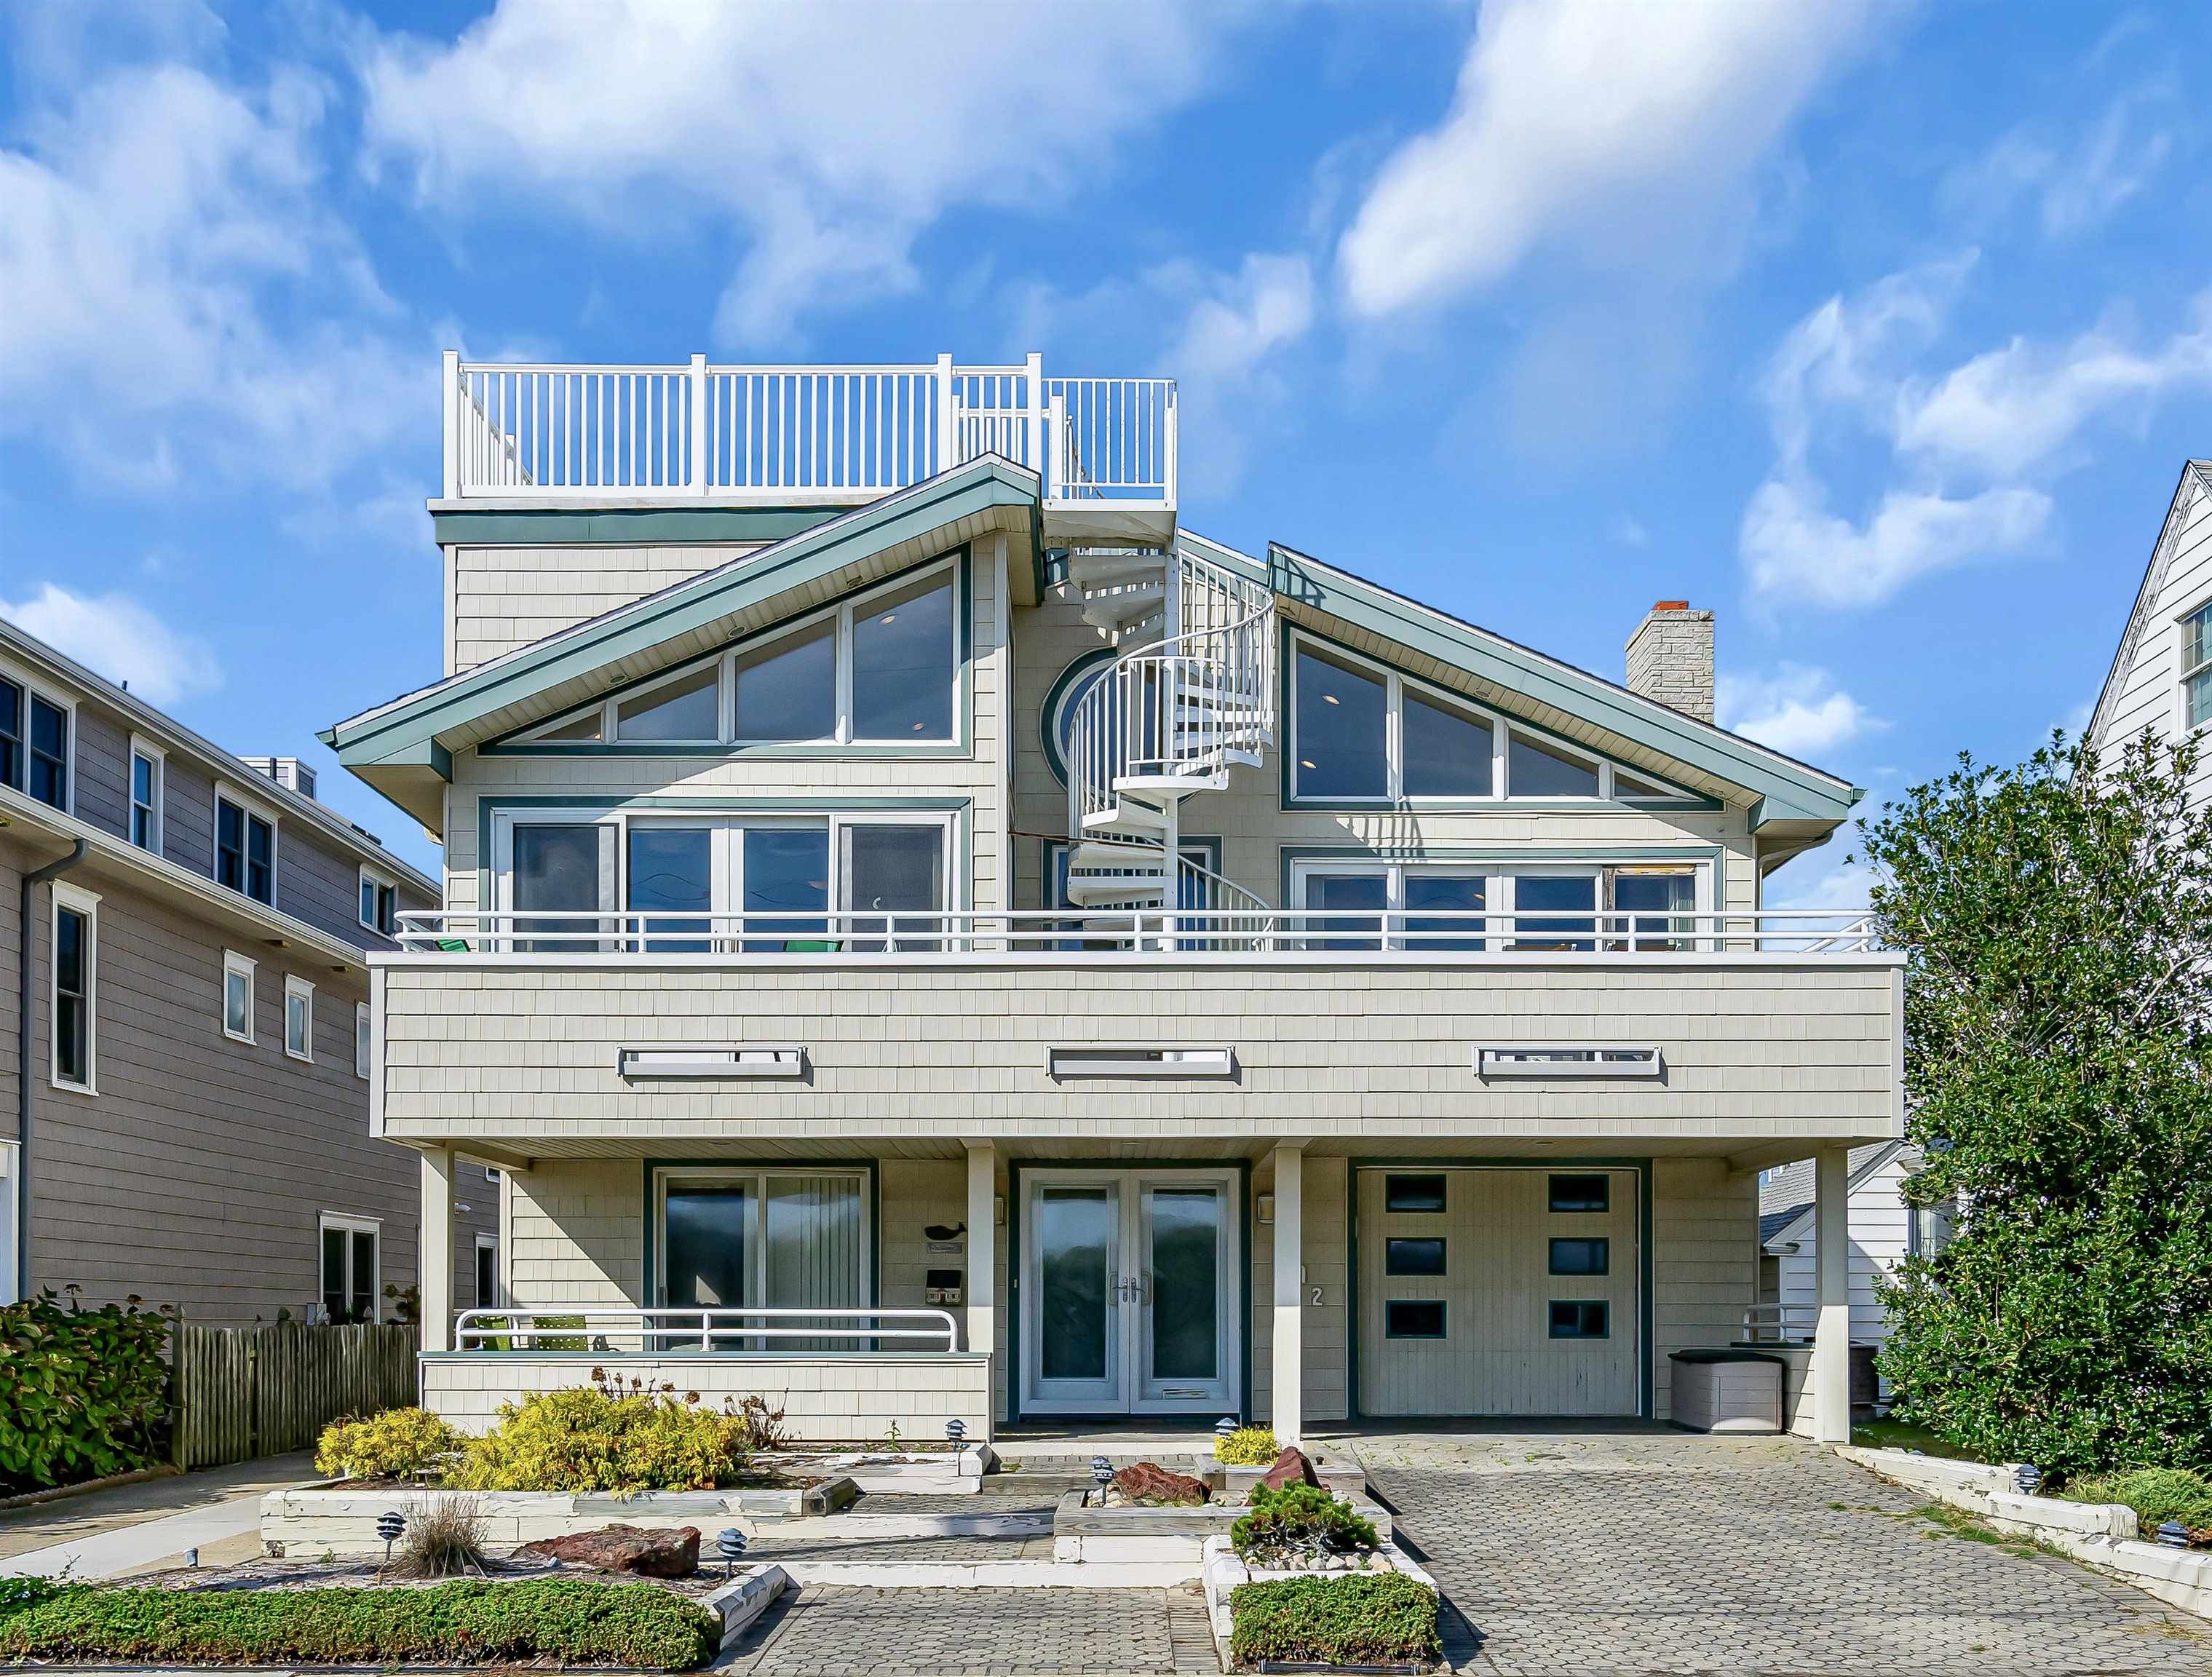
709 434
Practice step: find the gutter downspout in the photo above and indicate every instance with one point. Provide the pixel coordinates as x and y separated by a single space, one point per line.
23 1079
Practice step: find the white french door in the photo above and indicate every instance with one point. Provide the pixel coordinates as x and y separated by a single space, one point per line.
1129 1292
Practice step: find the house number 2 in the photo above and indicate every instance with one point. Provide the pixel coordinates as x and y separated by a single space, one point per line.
1316 1296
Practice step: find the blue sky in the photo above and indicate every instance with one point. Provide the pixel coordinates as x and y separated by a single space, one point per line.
1882 330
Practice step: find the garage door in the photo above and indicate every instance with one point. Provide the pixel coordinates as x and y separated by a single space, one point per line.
1498 1291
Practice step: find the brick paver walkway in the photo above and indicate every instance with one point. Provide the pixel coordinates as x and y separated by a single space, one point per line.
841 1631
1657 1551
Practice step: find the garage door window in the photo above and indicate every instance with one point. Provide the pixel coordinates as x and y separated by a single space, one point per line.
1582 1257
1582 1194
1415 1257
1413 1194
1580 1319
1415 1319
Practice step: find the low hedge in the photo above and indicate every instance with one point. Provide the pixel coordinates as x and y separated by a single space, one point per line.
83 1390
569 1620
2156 1495
1353 1618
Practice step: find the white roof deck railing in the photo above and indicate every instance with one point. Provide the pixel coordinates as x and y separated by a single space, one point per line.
683 1330
1103 933
777 434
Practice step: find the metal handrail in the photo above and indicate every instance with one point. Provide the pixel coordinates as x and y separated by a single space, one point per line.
672 1327
1332 934
1772 1324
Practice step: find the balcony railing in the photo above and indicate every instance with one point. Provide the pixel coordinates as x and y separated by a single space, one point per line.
1429 935
1780 1324
779 434
686 1330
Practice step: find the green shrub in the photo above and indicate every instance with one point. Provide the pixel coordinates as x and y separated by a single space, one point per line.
564 1619
1353 1618
1298 1523
83 1393
594 1438
1247 1446
17 1594
395 1444
2156 1494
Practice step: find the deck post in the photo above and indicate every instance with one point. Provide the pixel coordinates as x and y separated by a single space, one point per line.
1289 1348
982 1277
450 368
434 1250
1832 1263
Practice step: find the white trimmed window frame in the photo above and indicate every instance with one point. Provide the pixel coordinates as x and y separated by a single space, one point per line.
754 1179
157 770
74 900
351 1225
364 1040
386 898
297 988
235 965
1498 875
843 614
1395 686
35 688
2187 673
252 810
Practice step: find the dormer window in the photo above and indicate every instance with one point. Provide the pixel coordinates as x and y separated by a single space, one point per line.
245 850
36 734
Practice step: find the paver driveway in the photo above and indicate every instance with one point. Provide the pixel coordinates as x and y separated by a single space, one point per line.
1658 1551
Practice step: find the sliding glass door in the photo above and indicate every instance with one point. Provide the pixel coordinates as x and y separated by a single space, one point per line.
743 1239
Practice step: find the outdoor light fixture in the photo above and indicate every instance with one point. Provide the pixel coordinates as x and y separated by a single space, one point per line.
1101 1470
1225 1426
730 1544
390 1525
2029 1477
2174 1535
957 1430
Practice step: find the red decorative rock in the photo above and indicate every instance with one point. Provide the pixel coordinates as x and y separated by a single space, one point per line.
649 1554
1147 1482
1292 1467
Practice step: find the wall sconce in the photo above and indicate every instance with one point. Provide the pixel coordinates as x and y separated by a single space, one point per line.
998 1209
1263 1208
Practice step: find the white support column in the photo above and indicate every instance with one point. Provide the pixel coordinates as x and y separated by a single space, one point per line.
1290 1293
981 1280
1832 1261
433 1250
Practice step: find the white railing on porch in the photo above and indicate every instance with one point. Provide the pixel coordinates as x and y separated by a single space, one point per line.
829 433
1337 935
1780 1324
678 1330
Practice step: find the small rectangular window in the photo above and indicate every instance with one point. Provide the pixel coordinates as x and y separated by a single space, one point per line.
1580 1319
2197 667
50 753
380 903
237 996
1413 1319
486 1272
1582 1257
1582 1194
76 957
1402 1256
1413 1194
351 1259
361 1039
299 1018
146 798
244 851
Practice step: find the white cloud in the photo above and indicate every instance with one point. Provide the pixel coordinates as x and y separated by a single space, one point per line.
831 136
152 230
1794 546
1628 135
1628 531
2074 181
115 636
1797 710
2016 407
1803 886
1224 358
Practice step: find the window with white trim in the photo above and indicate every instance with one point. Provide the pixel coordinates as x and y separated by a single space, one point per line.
879 668
2196 631
1553 905
380 902
37 732
75 972
299 1017
237 996
1361 733
245 850
148 763
352 1261
362 1039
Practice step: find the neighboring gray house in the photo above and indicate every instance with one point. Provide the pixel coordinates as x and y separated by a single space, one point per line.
2161 675
196 1068
1884 1232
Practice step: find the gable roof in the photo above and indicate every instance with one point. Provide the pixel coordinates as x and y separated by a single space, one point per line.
1785 1197
1788 798
2196 478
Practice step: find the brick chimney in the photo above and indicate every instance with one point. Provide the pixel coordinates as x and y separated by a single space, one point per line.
1670 658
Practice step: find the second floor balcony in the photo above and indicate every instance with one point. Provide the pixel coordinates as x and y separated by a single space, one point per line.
705 433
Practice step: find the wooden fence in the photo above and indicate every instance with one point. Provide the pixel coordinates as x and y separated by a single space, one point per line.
247 1392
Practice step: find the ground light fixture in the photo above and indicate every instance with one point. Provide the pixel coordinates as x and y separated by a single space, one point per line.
2173 1535
390 1526
730 1544
955 1430
2029 1477
1101 1471
1225 1426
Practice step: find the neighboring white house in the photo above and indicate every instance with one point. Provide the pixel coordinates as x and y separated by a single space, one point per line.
928 938
2161 675
1884 1232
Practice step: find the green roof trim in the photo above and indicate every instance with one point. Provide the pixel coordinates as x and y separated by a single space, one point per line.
964 492
640 526
1784 789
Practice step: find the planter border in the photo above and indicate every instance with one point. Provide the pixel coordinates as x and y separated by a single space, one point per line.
1222 1571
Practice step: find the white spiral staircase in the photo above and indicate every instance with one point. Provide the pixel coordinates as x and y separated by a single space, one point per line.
1189 697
